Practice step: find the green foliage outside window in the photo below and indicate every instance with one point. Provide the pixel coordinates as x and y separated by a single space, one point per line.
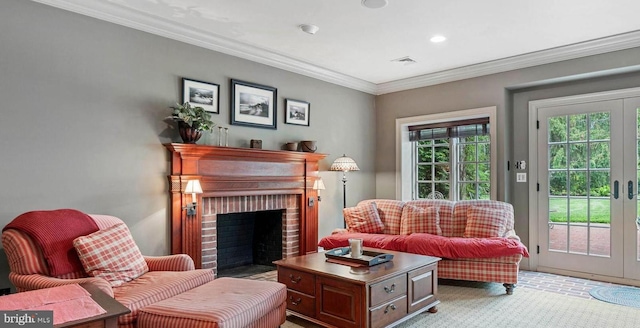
579 155
473 171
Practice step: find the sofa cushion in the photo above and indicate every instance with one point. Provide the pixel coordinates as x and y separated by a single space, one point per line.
418 219
381 241
363 218
483 222
390 212
156 286
445 214
457 248
461 209
111 254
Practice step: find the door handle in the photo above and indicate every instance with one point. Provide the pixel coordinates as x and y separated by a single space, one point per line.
615 189
630 189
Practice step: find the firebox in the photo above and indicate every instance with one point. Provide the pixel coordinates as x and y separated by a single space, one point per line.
248 242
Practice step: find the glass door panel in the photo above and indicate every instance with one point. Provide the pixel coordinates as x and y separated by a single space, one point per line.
579 160
632 173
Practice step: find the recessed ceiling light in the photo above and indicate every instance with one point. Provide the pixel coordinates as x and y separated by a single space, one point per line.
374 4
437 38
308 28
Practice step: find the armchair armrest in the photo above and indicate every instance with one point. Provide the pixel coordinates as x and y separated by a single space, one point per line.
38 281
177 262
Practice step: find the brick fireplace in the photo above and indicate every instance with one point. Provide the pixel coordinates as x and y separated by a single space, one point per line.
214 206
242 180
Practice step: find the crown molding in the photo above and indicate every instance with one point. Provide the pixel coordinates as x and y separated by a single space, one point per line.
573 51
176 31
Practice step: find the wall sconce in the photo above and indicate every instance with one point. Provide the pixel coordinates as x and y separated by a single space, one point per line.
318 185
193 187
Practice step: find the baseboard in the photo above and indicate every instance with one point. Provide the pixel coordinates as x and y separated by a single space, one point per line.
615 280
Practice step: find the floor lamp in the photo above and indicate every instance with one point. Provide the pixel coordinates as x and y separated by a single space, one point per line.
344 164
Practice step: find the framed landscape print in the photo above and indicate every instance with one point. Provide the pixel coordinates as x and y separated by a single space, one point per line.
253 105
296 112
203 94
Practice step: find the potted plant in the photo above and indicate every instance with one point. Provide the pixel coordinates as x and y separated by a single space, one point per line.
192 120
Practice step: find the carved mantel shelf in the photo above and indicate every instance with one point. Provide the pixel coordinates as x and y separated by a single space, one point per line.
228 171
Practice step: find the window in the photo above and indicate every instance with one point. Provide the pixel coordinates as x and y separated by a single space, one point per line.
453 154
434 160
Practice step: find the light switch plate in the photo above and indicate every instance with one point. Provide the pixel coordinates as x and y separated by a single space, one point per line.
521 177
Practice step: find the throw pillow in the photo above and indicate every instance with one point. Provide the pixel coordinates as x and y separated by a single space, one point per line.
363 218
111 254
484 222
420 220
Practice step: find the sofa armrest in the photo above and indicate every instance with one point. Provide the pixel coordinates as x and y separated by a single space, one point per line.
511 234
177 262
38 281
339 230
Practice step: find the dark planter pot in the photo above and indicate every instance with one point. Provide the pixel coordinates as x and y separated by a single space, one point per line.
188 134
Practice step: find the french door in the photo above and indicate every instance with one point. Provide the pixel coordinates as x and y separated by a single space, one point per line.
588 168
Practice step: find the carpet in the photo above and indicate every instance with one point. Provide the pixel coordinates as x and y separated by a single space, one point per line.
470 304
629 296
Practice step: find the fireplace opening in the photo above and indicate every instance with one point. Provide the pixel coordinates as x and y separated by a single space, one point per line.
248 242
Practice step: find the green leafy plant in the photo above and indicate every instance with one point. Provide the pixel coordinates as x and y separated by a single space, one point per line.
194 116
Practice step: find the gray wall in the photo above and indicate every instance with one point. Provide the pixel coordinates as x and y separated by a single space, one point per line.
510 92
82 103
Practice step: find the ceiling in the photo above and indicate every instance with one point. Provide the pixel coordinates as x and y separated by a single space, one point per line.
355 46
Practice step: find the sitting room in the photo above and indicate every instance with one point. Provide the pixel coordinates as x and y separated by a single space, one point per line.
338 163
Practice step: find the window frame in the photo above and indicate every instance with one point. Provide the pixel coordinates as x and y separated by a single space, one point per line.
405 160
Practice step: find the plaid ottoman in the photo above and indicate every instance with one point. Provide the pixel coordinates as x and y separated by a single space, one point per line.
224 303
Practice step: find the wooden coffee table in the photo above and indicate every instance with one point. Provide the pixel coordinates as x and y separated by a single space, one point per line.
386 294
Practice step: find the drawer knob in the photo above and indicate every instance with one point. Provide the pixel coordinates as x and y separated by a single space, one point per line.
296 301
391 307
391 289
294 280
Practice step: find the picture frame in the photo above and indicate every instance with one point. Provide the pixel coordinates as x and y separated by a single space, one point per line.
297 112
202 94
253 105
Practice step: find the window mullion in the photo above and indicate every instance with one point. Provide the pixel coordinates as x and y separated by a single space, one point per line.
453 168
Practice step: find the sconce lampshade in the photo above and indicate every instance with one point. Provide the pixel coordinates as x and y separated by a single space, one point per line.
318 184
344 164
193 187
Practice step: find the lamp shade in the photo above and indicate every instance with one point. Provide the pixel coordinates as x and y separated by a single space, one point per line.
318 184
344 164
193 187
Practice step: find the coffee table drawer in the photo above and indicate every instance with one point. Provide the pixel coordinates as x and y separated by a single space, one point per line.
301 303
388 290
389 312
297 280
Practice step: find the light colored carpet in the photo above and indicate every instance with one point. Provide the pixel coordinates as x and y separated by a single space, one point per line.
468 304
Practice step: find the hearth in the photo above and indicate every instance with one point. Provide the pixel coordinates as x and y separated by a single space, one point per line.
247 212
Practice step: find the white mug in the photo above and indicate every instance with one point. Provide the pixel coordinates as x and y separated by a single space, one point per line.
356 247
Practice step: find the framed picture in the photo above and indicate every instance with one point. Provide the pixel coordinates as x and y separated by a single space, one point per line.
203 94
253 105
296 112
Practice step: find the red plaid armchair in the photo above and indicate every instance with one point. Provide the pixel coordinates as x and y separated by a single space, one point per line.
167 275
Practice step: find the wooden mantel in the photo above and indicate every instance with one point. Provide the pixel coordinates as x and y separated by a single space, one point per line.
228 171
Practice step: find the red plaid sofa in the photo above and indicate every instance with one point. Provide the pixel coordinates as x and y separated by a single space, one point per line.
452 223
168 276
